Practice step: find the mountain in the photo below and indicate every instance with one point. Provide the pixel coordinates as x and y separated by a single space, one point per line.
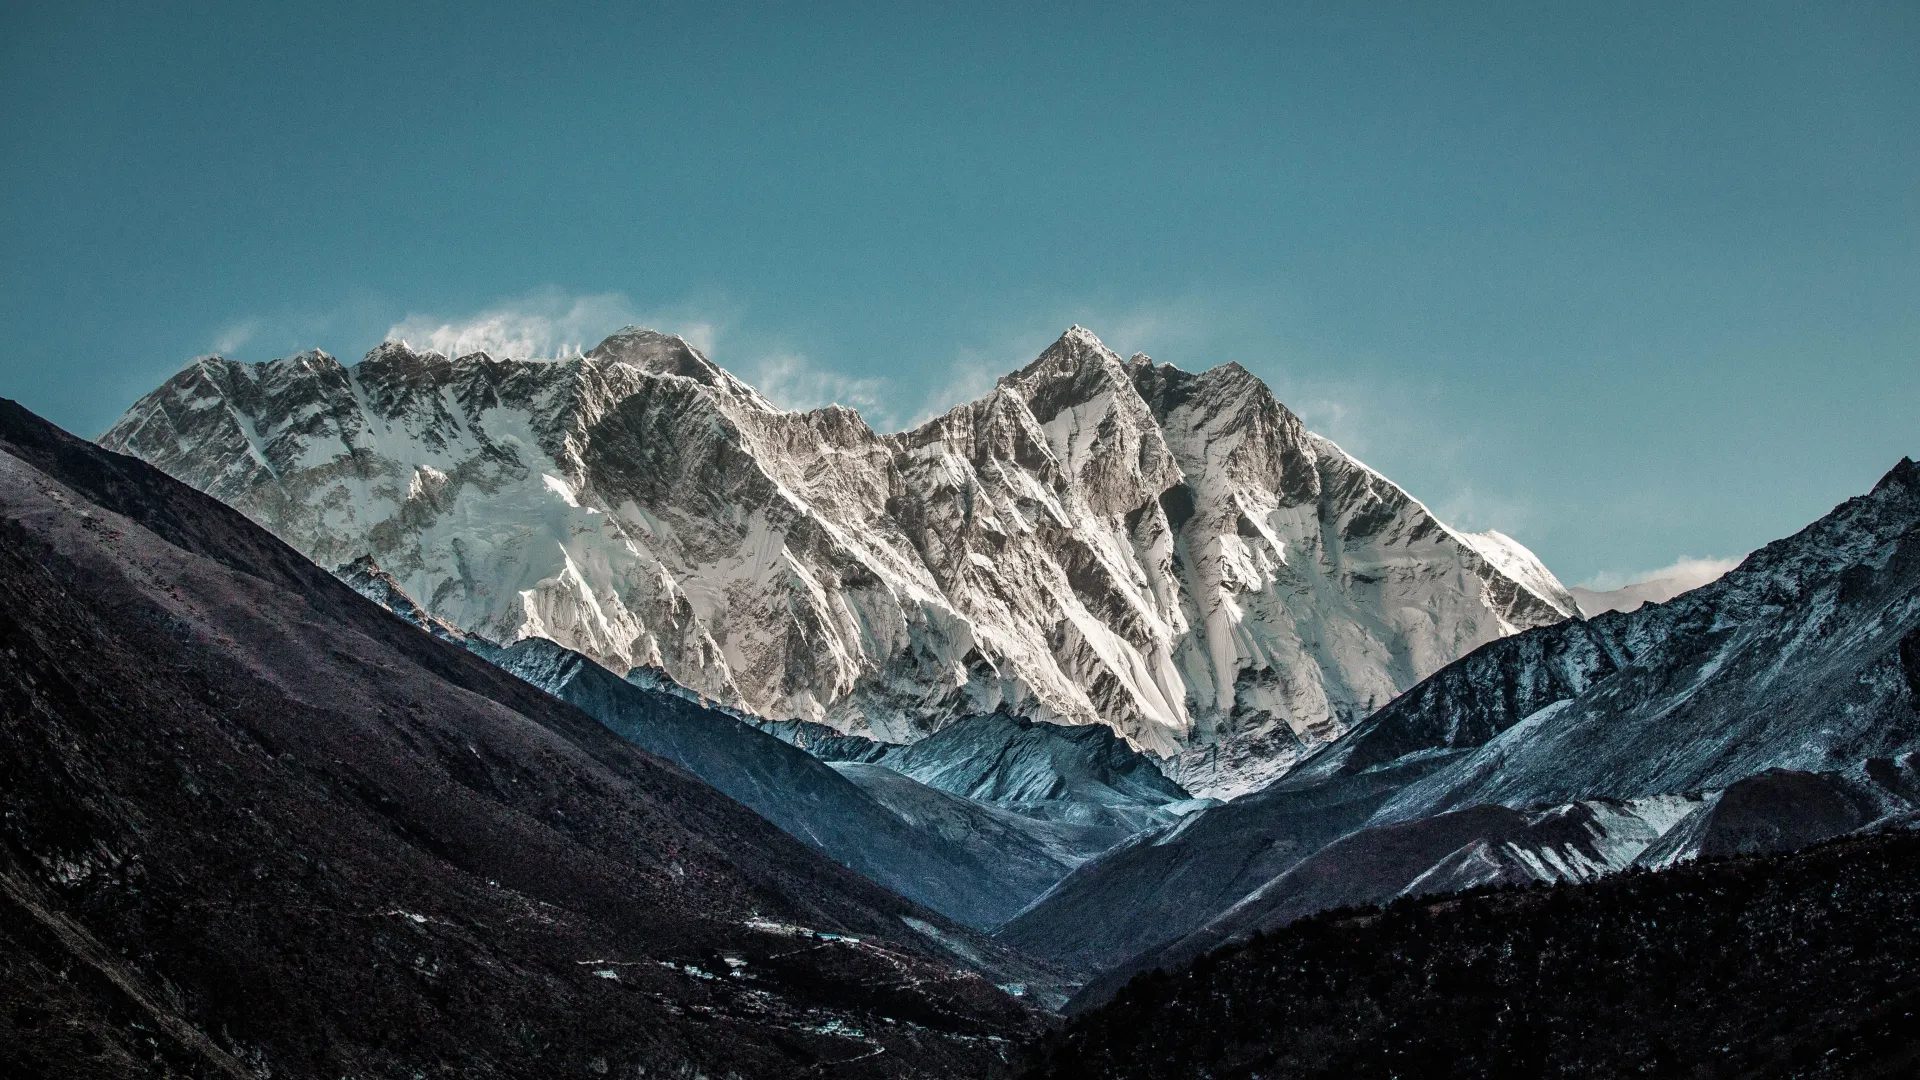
1082 775
1095 541
1023 856
1165 884
977 876
1490 844
251 824
1798 965
1790 660
1779 701
970 861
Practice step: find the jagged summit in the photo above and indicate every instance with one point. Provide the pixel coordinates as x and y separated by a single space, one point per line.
1096 540
667 354
1903 474
1077 353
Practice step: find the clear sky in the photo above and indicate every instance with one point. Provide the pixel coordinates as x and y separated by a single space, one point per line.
1630 282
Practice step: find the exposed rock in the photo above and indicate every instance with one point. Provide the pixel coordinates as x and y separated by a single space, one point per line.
1095 541
1792 661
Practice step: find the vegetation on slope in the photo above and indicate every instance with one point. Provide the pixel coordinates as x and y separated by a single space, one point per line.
1804 964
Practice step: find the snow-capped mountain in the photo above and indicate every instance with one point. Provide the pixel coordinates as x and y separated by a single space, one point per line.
1791 660
1774 707
1096 540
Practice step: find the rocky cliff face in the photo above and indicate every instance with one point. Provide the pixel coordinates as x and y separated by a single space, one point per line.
1791 660
1096 540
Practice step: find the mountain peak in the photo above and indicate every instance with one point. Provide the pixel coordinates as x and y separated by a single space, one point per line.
670 354
1078 344
1076 359
650 349
1904 474
396 349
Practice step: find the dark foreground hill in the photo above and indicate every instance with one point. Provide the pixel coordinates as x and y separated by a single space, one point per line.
968 860
1805 964
253 825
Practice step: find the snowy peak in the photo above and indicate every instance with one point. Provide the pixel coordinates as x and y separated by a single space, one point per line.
1100 431
1095 541
651 350
1229 413
1512 558
670 354
1074 369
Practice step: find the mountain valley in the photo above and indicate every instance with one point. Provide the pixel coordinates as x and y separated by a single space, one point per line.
1118 670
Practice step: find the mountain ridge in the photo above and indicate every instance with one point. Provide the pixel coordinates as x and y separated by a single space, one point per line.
253 823
1095 540
1773 707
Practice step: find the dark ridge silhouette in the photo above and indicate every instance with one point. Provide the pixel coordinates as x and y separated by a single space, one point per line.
252 824
1805 964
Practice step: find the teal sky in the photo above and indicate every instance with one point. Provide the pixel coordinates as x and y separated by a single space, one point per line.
1630 282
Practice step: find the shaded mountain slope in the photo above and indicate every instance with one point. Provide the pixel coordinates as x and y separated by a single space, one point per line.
966 859
1805 964
1081 774
1164 884
249 822
1489 844
980 877
1078 774
1026 855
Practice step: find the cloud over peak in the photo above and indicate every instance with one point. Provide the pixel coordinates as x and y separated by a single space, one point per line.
544 323
1625 592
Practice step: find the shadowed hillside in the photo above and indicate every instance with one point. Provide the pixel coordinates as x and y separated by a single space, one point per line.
1805 964
253 825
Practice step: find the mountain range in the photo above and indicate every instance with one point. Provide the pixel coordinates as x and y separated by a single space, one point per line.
1100 540
961 856
1777 706
1116 670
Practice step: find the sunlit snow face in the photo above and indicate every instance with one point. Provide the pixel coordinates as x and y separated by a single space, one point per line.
642 506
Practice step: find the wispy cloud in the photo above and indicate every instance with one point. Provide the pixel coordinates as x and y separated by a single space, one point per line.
791 381
548 322
262 334
554 323
235 334
1685 573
